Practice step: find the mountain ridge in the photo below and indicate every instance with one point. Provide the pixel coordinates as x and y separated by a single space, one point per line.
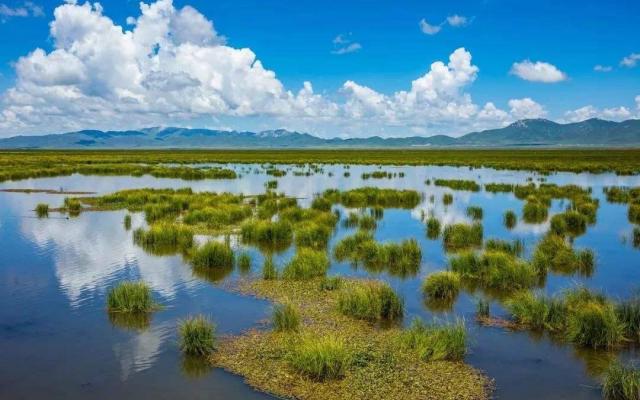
526 132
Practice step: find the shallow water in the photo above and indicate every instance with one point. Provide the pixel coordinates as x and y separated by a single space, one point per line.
58 342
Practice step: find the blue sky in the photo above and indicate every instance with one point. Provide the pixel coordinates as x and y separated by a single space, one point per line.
296 40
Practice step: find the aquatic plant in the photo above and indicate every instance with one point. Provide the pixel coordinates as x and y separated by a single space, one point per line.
594 324
498 187
130 297
273 184
535 211
434 342
285 318
306 264
277 234
312 234
269 270
474 212
433 228
370 300
510 219
164 238
331 283
570 223
127 222
42 210
244 261
367 222
628 312
514 247
197 336
213 255
462 236
621 382
483 310
458 184
442 285
494 270
554 253
634 213
447 199
320 358
373 196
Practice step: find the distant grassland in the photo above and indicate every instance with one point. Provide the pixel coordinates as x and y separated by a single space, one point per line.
21 164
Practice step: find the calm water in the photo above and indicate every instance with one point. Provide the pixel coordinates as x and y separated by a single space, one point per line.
56 339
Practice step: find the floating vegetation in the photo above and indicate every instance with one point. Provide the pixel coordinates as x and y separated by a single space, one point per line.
443 285
433 342
372 196
510 219
213 255
164 238
494 270
197 336
458 184
371 301
433 228
306 264
376 364
130 297
462 236
474 212
285 318
42 210
621 382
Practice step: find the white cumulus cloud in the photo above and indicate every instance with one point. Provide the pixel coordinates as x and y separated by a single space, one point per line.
526 108
537 72
631 60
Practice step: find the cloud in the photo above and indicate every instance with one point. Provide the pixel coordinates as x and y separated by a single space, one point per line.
630 61
526 108
28 9
603 68
587 112
454 20
537 72
457 20
342 44
429 29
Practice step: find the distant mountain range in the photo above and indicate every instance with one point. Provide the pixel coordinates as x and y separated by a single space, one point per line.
527 132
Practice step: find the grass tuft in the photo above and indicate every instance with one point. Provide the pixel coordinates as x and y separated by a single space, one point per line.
286 318
370 300
320 358
130 297
433 342
213 255
197 336
442 285
621 382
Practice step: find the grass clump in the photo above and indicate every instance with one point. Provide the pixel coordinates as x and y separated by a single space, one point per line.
555 254
286 318
537 312
127 222
628 313
130 297
269 270
320 358
331 283
474 212
494 270
164 238
535 210
371 301
515 247
447 199
306 264
433 342
595 324
510 219
570 223
273 235
244 262
621 382
312 234
197 336
634 213
443 285
433 228
213 255
42 210
462 236
458 184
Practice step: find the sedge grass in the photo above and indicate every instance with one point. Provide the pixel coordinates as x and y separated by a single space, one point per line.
130 297
197 336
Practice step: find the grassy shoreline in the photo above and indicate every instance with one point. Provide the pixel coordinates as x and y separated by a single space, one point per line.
35 163
382 369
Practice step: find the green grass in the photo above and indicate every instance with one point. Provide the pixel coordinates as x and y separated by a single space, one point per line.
628 313
514 247
213 255
320 358
433 228
475 213
271 184
72 205
494 270
570 223
433 342
130 297
331 283
462 236
634 213
621 382
373 197
595 325
164 238
442 285
285 318
197 336
127 222
269 270
306 264
244 262
367 222
554 253
458 184
636 237
536 312
510 219
498 187
312 234
371 301
535 211
269 234
447 199
42 210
